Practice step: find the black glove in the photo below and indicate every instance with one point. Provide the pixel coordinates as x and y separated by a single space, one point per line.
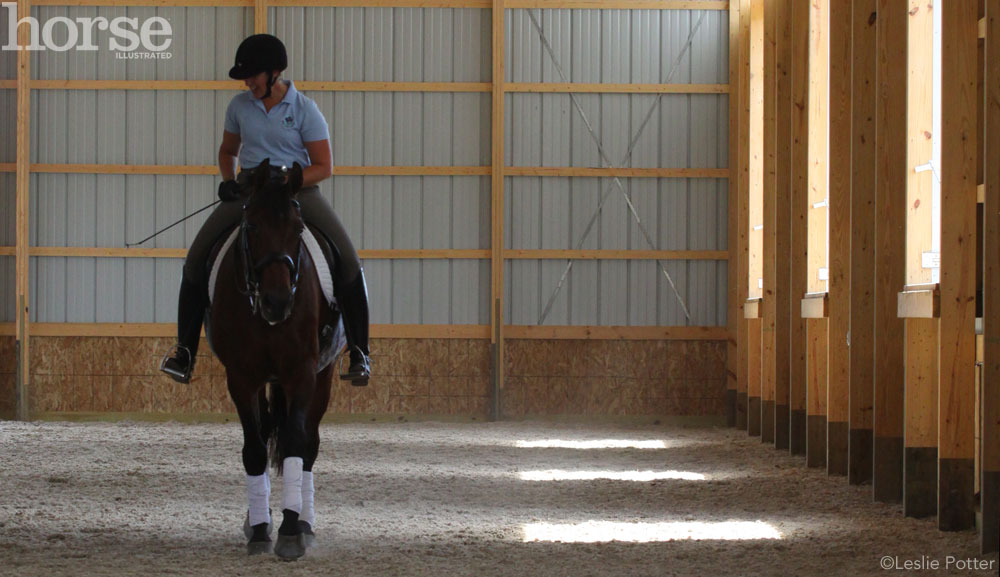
229 190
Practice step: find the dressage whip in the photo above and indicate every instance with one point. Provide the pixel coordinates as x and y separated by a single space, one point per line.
162 230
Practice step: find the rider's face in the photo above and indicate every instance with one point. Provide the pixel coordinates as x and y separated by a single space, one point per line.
257 84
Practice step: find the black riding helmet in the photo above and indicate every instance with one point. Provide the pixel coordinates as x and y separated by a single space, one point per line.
259 53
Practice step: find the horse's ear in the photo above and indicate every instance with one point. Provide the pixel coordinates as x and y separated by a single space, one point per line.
262 174
295 178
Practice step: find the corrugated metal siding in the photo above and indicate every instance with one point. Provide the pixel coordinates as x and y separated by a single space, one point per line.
384 44
614 46
139 127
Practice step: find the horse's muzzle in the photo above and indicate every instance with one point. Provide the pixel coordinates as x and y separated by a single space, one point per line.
276 308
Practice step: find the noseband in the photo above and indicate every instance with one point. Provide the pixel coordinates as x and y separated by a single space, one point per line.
252 269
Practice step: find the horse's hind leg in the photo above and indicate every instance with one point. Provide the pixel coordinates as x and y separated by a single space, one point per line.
255 421
317 408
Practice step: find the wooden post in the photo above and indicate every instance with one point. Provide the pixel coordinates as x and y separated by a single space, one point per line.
497 193
890 252
754 345
862 245
260 16
839 199
755 209
816 376
733 294
23 176
921 334
783 223
957 398
990 435
817 328
743 216
768 218
799 211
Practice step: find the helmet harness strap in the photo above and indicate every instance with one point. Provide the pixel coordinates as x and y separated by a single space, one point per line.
271 78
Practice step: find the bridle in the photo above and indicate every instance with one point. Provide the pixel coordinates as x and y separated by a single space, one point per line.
251 268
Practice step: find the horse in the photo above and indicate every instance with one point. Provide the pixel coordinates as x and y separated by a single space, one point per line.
265 324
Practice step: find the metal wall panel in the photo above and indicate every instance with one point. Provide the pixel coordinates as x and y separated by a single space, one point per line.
386 44
613 46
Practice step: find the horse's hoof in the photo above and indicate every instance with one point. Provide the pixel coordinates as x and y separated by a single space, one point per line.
310 537
290 547
248 531
259 547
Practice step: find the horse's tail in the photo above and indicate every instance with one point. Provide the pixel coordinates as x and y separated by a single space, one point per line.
279 410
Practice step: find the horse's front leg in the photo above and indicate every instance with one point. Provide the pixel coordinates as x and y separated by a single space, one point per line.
251 405
317 408
295 447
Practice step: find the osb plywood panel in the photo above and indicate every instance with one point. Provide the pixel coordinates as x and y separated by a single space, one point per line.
614 378
84 374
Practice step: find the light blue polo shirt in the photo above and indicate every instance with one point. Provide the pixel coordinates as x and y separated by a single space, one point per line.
279 134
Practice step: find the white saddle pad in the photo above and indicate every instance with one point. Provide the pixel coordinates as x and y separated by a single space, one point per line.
315 252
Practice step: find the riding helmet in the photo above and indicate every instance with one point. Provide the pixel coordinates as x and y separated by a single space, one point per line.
259 53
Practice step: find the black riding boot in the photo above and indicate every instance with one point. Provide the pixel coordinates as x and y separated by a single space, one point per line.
353 301
190 313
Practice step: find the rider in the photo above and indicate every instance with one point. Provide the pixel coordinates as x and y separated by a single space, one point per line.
271 120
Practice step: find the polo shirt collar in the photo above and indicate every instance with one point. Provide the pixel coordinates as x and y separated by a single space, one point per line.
287 99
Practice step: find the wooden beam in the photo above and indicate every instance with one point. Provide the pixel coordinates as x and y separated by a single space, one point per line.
411 171
817 329
546 171
752 308
839 236
485 4
753 380
394 331
598 88
621 172
919 302
769 239
920 434
742 224
816 380
890 251
138 3
384 3
616 333
597 254
260 16
497 212
862 242
732 226
957 393
365 254
306 85
990 435
620 4
755 211
799 231
22 202
783 224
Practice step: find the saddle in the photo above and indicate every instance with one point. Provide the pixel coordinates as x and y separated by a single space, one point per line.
321 251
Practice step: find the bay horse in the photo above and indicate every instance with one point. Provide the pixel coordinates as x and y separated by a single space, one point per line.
268 312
